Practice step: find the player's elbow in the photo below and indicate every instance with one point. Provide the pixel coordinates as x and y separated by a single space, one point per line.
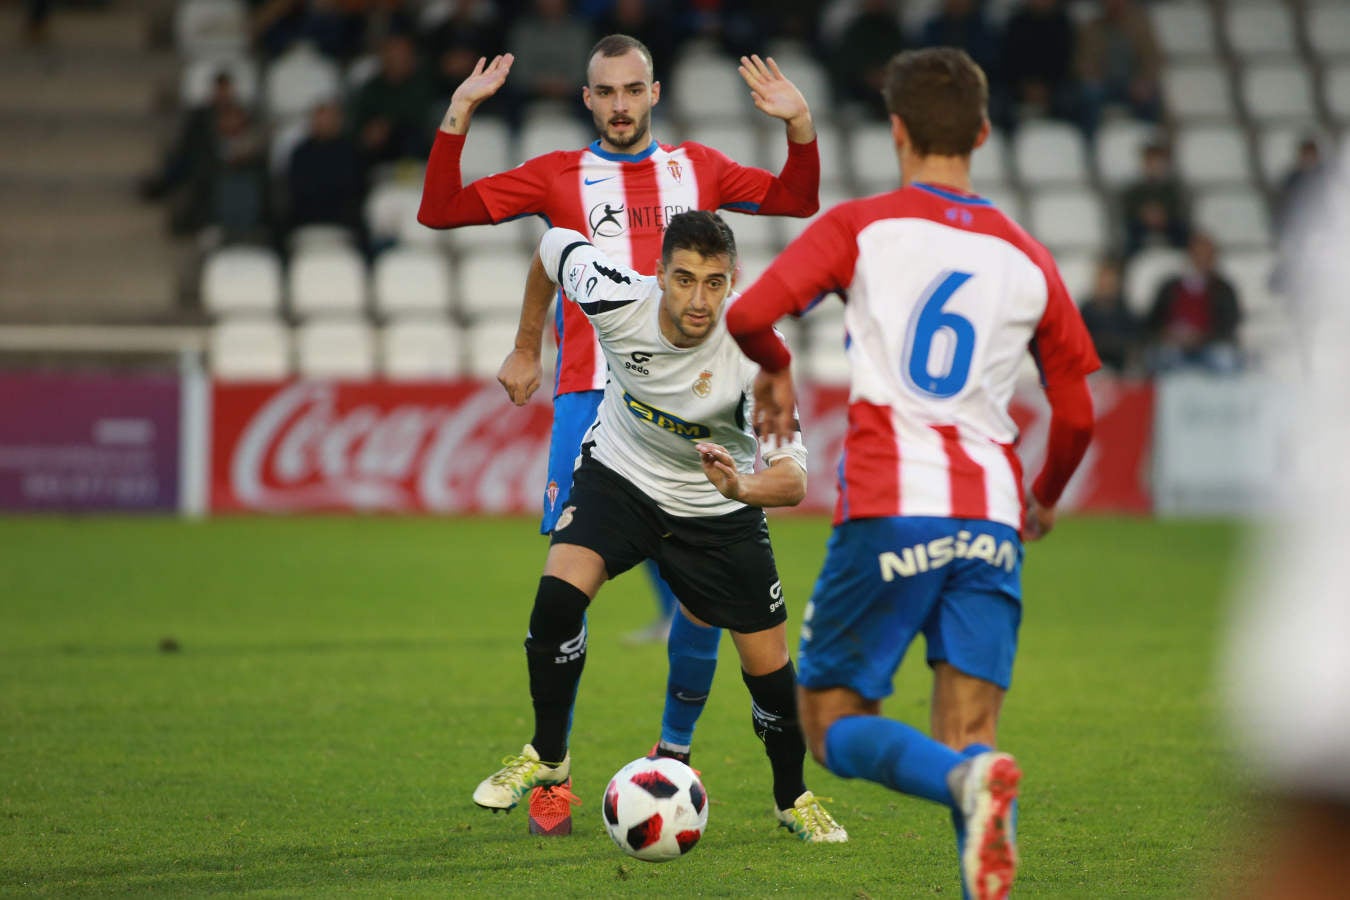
429 219
809 206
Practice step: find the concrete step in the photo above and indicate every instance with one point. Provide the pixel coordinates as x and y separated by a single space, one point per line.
39 220
67 148
125 25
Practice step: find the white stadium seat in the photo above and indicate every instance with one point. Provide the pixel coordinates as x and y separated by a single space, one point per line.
513 234
872 158
297 80
1336 92
1050 153
1234 217
1145 273
1184 29
335 348
1279 92
1328 32
488 342
829 197
1250 273
752 263
754 233
411 280
328 281
829 140
1277 151
550 131
391 210
1260 29
199 77
249 350
488 149
707 86
417 348
1119 146
738 140
826 360
1068 219
203 28
1079 271
989 163
320 237
1008 200
491 283
1197 90
242 279
1212 154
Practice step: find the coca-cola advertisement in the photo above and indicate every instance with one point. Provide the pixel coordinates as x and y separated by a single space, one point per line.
461 447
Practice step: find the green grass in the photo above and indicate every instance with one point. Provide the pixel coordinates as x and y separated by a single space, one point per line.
344 683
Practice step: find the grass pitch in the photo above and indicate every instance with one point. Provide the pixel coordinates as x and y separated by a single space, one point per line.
303 707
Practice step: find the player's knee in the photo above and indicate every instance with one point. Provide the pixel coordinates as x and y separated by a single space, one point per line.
558 615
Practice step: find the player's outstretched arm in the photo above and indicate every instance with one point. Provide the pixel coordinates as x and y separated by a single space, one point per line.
783 483
485 80
521 372
776 96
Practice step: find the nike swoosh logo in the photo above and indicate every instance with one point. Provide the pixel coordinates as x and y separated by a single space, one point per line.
597 180
690 698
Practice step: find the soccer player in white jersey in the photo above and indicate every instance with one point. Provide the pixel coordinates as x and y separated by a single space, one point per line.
619 192
944 295
666 472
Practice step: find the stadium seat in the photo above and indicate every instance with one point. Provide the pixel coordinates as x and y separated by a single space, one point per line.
1119 143
1250 273
809 76
1197 91
1278 92
328 281
411 280
335 348
1145 273
359 71
547 132
298 79
194 89
488 149
871 155
707 86
390 208
830 142
211 28
1260 30
242 279
249 349
738 140
989 167
1009 200
319 237
1336 93
1234 217
1277 151
754 233
488 342
513 234
829 197
491 283
1185 29
825 360
1078 270
1212 154
1328 32
418 348
1068 219
1050 153
752 262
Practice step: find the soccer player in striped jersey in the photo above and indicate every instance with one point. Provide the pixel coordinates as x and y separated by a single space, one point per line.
944 295
619 192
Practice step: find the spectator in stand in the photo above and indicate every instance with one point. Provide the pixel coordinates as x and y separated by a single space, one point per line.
1156 208
1036 59
325 181
393 113
858 59
962 23
646 22
1119 64
1195 316
454 41
547 42
227 194
192 147
1116 332
1297 184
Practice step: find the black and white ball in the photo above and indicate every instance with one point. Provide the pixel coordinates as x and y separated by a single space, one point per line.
656 809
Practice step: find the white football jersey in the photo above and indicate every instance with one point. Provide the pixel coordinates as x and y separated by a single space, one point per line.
660 400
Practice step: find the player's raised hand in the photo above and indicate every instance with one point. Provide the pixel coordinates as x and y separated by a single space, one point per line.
775 405
774 95
720 469
485 80
521 374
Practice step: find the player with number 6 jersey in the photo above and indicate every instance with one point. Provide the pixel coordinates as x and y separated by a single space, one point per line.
944 297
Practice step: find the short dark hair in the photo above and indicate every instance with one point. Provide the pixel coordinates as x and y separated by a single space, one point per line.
617 45
941 95
700 231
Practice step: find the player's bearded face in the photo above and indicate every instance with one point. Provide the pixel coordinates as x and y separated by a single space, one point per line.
694 290
620 95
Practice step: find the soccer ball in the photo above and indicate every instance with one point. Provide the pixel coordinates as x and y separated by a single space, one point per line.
655 809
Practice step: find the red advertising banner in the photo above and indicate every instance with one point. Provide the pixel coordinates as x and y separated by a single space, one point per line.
461 447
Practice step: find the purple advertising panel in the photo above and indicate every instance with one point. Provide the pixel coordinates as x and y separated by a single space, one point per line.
88 442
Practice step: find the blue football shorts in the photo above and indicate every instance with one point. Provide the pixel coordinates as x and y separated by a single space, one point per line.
885 581
572 415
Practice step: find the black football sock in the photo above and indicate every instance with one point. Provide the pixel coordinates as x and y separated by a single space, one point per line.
555 651
774 712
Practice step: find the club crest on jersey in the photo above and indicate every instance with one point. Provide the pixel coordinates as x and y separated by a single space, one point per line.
604 219
676 170
703 386
565 519
551 492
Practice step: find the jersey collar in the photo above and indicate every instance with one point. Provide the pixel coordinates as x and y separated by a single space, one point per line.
623 157
952 194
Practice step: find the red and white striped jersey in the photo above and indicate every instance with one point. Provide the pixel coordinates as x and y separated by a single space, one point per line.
944 295
621 202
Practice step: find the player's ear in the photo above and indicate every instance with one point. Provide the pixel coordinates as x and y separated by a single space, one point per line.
899 133
586 95
656 92
984 133
661 273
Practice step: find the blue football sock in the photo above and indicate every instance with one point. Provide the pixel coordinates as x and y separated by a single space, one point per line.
893 754
665 597
692 650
